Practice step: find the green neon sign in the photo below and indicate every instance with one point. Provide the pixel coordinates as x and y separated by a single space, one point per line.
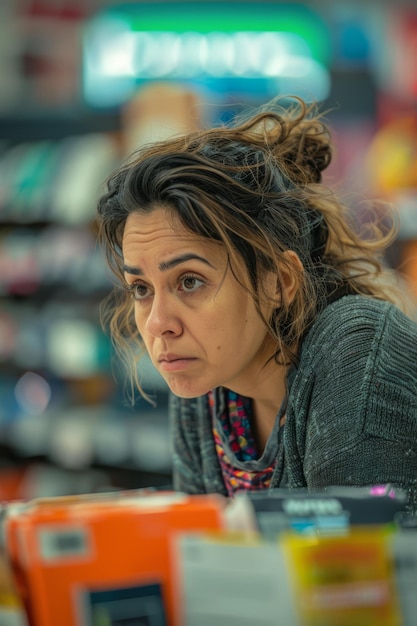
225 17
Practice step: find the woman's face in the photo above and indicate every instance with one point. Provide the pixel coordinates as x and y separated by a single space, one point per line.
199 326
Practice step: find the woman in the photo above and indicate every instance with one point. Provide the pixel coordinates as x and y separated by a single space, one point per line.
273 322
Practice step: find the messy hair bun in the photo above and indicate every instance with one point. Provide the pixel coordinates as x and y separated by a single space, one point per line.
295 136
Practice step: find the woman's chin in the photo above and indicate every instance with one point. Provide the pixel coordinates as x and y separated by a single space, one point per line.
187 390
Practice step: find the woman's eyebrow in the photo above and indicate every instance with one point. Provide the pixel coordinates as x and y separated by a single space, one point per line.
167 265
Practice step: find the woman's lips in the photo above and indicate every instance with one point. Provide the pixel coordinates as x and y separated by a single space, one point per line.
174 363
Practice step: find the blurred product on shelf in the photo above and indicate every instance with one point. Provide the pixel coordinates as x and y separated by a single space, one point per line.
55 181
42 480
63 338
157 111
52 258
392 171
392 158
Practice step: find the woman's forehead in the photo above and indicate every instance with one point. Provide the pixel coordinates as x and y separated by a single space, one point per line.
160 222
153 233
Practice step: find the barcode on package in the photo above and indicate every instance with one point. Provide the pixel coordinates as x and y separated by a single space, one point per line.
61 543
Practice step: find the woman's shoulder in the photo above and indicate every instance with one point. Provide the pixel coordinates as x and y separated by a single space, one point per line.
355 311
361 321
360 352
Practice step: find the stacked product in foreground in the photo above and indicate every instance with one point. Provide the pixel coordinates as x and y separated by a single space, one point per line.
343 557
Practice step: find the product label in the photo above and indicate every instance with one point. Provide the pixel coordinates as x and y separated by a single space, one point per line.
57 543
341 581
234 584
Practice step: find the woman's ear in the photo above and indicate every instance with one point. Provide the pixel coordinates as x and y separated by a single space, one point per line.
291 271
282 289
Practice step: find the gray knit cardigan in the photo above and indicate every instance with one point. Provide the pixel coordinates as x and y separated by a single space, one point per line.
351 415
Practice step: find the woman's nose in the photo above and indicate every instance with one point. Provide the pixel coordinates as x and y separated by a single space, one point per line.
163 317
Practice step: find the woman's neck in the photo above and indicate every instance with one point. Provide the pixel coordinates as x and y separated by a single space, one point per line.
266 403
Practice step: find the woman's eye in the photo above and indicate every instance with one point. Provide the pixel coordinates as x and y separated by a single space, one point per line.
190 284
139 291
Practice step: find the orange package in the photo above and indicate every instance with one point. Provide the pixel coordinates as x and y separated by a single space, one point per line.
104 560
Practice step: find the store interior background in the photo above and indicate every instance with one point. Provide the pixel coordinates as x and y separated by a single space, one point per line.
84 82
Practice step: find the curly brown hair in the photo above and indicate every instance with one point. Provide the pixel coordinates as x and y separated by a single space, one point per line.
255 186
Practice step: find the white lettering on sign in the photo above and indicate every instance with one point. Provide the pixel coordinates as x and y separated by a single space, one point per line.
329 506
